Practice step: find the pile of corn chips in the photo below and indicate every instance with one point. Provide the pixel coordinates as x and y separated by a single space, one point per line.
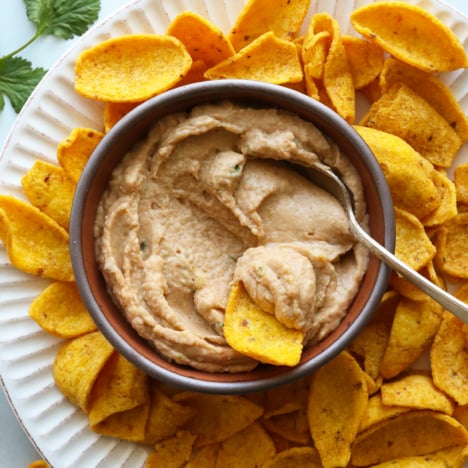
368 406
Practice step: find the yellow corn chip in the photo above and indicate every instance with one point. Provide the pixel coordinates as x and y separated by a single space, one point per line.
453 457
172 452
195 74
373 385
250 447
416 391
462 208
385 313
448 201
365 59
449 358
462 292
452 247
283 18
113 112
402 112
433 275
370 345
49 188
299 41
337 78
258 334
218 416
314 52
412 245
337 402
429 87
430 461
461 183
280 442
372 91
377 412
414 326
410 177
38 464
411 34
77 366
35 243
60 311
73 152
166 416
409 434
203 457
131 68
119 387
461 414
300 87
409 290
286 398
306 457
202 39
266 59
292 426
126 425
311 86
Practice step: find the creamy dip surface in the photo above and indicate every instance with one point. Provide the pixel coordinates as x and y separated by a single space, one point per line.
207 199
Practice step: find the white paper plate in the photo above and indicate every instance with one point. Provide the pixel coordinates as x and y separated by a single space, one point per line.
57 428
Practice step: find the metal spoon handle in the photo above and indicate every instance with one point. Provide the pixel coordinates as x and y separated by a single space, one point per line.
449 302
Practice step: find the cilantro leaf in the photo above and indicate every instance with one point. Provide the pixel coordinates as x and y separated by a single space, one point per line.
62 18
18 79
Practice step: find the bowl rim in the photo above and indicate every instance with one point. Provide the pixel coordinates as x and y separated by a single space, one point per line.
185 97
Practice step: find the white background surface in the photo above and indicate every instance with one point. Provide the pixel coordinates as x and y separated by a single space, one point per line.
15 449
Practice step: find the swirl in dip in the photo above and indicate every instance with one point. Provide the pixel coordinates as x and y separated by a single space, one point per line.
207 199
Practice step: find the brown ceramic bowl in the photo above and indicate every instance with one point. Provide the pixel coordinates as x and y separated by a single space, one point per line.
132 128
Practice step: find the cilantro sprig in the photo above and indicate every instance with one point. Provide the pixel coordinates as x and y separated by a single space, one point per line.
61 18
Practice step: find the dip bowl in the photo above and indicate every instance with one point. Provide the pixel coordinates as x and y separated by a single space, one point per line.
133 128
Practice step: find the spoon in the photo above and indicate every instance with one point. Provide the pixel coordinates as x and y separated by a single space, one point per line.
324 177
